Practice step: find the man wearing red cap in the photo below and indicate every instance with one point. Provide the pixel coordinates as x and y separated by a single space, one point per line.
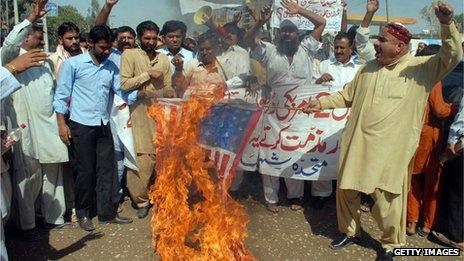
387 99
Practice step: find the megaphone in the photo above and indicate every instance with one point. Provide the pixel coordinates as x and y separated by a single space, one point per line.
204 15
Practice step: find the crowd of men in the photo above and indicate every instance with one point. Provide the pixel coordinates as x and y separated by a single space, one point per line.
88 140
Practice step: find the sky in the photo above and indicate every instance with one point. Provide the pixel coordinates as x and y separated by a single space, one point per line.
132 12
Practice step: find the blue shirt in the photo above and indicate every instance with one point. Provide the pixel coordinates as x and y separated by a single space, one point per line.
88 85
115 57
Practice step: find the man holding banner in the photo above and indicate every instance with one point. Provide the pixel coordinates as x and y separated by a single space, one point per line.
387 99
288 64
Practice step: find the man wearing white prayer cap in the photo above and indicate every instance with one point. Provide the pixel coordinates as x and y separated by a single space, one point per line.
288 64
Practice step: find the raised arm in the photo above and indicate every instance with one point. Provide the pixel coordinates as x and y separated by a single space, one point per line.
16 37
102 17
450 53
364 46
319 22
344 26
250 35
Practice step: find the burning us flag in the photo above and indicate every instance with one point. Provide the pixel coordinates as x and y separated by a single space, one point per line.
225 134
195 218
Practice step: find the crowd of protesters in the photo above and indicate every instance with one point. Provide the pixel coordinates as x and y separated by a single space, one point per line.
76 160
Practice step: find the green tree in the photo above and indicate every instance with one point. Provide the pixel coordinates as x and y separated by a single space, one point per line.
24 7
428 14
93 11
66 13
459 18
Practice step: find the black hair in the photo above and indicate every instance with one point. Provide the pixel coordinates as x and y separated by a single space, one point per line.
84 37
2 36
172 26
124 29
101 32
429 50
67 27
232 28
146 26
342 35
114 31
186 42
210 36
37 27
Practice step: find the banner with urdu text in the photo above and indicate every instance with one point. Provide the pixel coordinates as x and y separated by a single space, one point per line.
331 10
289 143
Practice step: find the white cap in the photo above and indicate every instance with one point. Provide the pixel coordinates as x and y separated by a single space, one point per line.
290 22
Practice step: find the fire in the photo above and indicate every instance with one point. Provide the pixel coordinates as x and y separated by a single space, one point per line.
194 217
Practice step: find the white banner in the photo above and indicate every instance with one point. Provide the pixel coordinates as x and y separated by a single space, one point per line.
331 10
289 143
191 6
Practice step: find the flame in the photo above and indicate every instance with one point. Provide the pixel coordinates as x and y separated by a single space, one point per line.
194 217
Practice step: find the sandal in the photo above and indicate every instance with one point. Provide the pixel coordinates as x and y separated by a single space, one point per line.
422 233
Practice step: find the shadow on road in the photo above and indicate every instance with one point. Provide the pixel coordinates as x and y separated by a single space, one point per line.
42 250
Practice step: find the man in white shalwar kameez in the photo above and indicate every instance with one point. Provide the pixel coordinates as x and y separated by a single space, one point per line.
8 85
288 64
37 157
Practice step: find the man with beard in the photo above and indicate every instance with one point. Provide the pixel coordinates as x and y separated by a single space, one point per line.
337 71
124 35
69 45
288 65
144 69
119 121
37 157
387 99
87 79
125 40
